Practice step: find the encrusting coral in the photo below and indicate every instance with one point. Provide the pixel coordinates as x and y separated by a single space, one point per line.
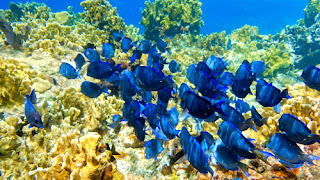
15 81
170 17
311 11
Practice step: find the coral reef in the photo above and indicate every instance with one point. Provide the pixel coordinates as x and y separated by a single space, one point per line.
102 15
168 18
15 81
311 11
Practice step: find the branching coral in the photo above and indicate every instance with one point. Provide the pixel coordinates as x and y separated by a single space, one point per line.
102 15
311 11
169 17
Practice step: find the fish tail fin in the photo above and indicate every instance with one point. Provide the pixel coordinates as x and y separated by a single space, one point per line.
210 170
250 124
315 137
277 108
263 155
78 73
309 158
117 67
285 94
217 107
244 168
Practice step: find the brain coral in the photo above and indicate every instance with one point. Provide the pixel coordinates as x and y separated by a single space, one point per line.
171 17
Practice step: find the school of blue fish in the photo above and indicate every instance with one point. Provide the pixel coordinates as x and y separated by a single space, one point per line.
206 102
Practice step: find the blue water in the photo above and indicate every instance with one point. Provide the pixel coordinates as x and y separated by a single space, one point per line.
269 15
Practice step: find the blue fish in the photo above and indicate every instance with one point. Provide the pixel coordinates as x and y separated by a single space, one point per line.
131 110
146 96
191 73
269 96
183 88
32 97
173 66
79 60
150 79
216 64
194 152
126 44
161 45
258 67
207 137
68 71
203 67
101 70
288 152
157 60
33 117
167 128
150 112
145 46
173 116
239 90
238 144
136 55
207 86
139 130
198 106
311 77
92 54
114 78
244 75
164 94
257 118
226 78
242 106
92 90
107 51
296 130
116 35
226 158
127 83
236 118
153 148
153 52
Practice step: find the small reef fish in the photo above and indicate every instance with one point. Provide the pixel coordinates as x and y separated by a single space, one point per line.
144 46
269 96
32 97
80 61
235 117
101 69
217 65
139 130
243 79
167 128
173 66
258 67
161 45
296 130
136 55
183 88
288 153
238 144
127 83
194 152
92 90
33 117
311 77
117 35
150 79
153 148
257 118
126 44
226 79
226 158
198 106
68 71
107 51
242 106
92 54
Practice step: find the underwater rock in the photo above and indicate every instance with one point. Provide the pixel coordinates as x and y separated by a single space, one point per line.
41 85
